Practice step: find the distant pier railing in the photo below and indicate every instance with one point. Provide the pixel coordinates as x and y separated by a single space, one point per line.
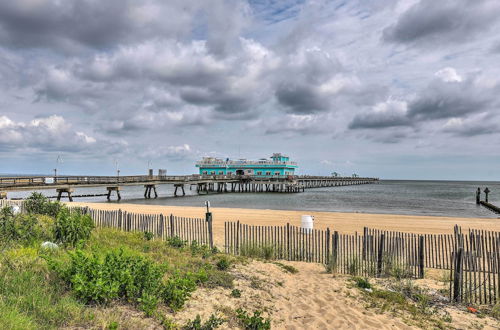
203 183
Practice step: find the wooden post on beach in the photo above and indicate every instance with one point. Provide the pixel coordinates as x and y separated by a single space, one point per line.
288 240
421 249
365 235
457 278
335 250
380 254
208 218
327 245
237 238
172 226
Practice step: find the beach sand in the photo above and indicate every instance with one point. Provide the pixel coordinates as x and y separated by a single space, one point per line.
346 223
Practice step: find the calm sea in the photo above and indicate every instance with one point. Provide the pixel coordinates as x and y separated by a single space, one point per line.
438 198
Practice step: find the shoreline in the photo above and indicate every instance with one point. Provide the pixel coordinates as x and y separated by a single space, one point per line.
344 223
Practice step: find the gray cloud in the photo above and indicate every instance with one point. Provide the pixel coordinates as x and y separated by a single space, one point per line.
447 96
435 23
144 78
449 99
480 125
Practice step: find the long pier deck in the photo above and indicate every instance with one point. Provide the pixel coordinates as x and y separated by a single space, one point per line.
204 184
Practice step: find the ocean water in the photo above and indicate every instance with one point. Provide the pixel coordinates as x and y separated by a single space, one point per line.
437 198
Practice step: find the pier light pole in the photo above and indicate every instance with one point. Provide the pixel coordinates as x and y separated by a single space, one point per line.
117 171
58 161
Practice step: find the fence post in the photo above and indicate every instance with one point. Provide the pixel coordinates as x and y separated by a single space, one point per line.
162 225
421 250
380 254
172 225
120 220
335 250
365 235
457 276
237 239
288 241
327 242
208 218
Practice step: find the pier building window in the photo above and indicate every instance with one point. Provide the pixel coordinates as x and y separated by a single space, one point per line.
268 173
276 173
205 172
213 172
259 173
220 172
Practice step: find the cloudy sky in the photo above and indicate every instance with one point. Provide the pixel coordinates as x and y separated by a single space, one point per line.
387 88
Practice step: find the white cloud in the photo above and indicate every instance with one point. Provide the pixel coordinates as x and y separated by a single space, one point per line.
45 134
448 75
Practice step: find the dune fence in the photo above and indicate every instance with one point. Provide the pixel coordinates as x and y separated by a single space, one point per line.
475 272
277 242
161 226
472 258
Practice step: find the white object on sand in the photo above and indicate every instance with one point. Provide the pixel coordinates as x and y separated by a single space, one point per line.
307 223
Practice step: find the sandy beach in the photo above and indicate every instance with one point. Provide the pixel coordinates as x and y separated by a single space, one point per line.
341 222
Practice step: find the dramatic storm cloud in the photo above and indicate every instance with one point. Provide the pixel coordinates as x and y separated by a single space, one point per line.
345 86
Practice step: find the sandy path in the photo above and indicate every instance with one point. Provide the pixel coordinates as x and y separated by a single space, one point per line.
342 222
309 299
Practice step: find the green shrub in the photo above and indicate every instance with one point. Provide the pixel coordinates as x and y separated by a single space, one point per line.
176 242
178 289
37 203
20 227
72 227
96 279
202 250
212 323
218 278
390 296
223 263
254 322
148 235
362 283
236 293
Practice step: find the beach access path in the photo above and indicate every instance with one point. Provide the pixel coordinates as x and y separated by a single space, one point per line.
344 223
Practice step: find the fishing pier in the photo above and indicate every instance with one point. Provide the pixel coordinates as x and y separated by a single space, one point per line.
65 185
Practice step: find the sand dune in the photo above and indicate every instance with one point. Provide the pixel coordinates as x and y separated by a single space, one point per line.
309 299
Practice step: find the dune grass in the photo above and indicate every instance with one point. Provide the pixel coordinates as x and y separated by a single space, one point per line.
32 296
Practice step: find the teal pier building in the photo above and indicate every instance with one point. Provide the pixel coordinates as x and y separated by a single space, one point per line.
277 165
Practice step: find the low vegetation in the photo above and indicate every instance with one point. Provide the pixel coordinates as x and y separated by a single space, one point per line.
253 322
404 298
57 270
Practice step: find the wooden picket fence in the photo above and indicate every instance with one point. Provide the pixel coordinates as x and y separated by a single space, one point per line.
475 273
373 253
161 226
277 242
